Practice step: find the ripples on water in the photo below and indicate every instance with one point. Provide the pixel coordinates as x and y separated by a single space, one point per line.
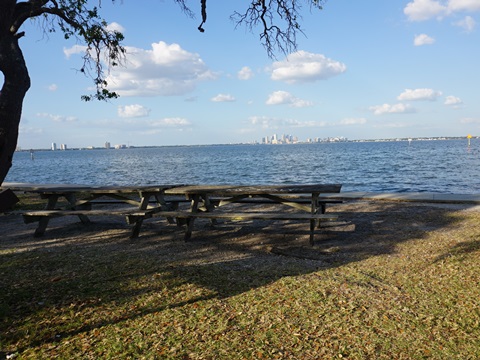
447 166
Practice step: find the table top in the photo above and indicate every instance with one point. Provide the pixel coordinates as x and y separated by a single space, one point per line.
232 190
73 188
176 189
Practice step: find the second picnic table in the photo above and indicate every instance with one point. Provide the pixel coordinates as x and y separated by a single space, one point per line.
206 198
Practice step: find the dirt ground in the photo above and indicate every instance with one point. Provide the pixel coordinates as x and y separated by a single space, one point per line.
364 228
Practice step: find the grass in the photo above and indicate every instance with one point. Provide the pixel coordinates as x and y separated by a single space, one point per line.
147 299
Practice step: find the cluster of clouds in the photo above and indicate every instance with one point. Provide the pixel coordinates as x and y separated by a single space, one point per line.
413 95
423 10
169 70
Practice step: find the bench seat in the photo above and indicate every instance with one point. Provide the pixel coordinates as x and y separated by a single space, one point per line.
136 217
298 200
242 216
133 216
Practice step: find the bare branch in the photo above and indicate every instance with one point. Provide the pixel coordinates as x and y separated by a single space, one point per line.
268 15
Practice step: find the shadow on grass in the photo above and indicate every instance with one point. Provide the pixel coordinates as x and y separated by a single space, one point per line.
98 271
462 249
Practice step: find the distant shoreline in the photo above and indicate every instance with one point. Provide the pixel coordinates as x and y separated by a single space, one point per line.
327 141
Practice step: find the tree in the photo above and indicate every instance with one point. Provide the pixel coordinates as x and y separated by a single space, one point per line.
278 20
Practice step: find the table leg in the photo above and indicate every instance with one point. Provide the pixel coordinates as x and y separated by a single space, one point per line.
43 223
316 207
72 199
163 204
312 231
210 207
145 198
191 221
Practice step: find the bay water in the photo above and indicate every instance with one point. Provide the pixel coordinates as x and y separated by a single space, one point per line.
441 166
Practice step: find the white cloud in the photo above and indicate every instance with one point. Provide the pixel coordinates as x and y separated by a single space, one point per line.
468 24
284 97
52 87
161 71
303 66
114 26
463 5
170 122
30 130
419 94
353 121
392 109
423 39
57 118
223 98
470 121
75 49
420 10
390 125
453 101
274 123
245 73
134 110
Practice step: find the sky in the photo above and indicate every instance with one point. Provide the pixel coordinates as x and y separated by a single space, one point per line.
363 70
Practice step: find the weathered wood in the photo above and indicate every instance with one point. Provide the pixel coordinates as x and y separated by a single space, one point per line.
242 216
233 190
257 200
135 217
203 199
66 188
83 207
239 216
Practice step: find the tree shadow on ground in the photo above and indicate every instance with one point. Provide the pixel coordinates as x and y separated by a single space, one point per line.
75 268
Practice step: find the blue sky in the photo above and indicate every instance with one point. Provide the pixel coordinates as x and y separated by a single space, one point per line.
364 70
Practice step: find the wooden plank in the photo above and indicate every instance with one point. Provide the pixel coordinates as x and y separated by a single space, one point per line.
135 217
232 190
246 216
259 200
60 213
190 216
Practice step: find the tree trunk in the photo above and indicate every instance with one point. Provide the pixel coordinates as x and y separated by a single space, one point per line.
15 86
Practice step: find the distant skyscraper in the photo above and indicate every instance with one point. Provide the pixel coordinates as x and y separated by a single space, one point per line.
107 145
63 146
54 146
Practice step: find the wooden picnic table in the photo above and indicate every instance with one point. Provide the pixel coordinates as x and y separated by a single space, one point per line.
207 198
164 200
81 198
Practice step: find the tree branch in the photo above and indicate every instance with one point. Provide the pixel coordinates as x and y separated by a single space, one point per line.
268 15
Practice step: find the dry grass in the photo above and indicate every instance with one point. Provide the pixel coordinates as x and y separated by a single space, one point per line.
389 281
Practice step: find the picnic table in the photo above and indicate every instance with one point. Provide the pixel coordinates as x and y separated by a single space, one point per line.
143 201
207 199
